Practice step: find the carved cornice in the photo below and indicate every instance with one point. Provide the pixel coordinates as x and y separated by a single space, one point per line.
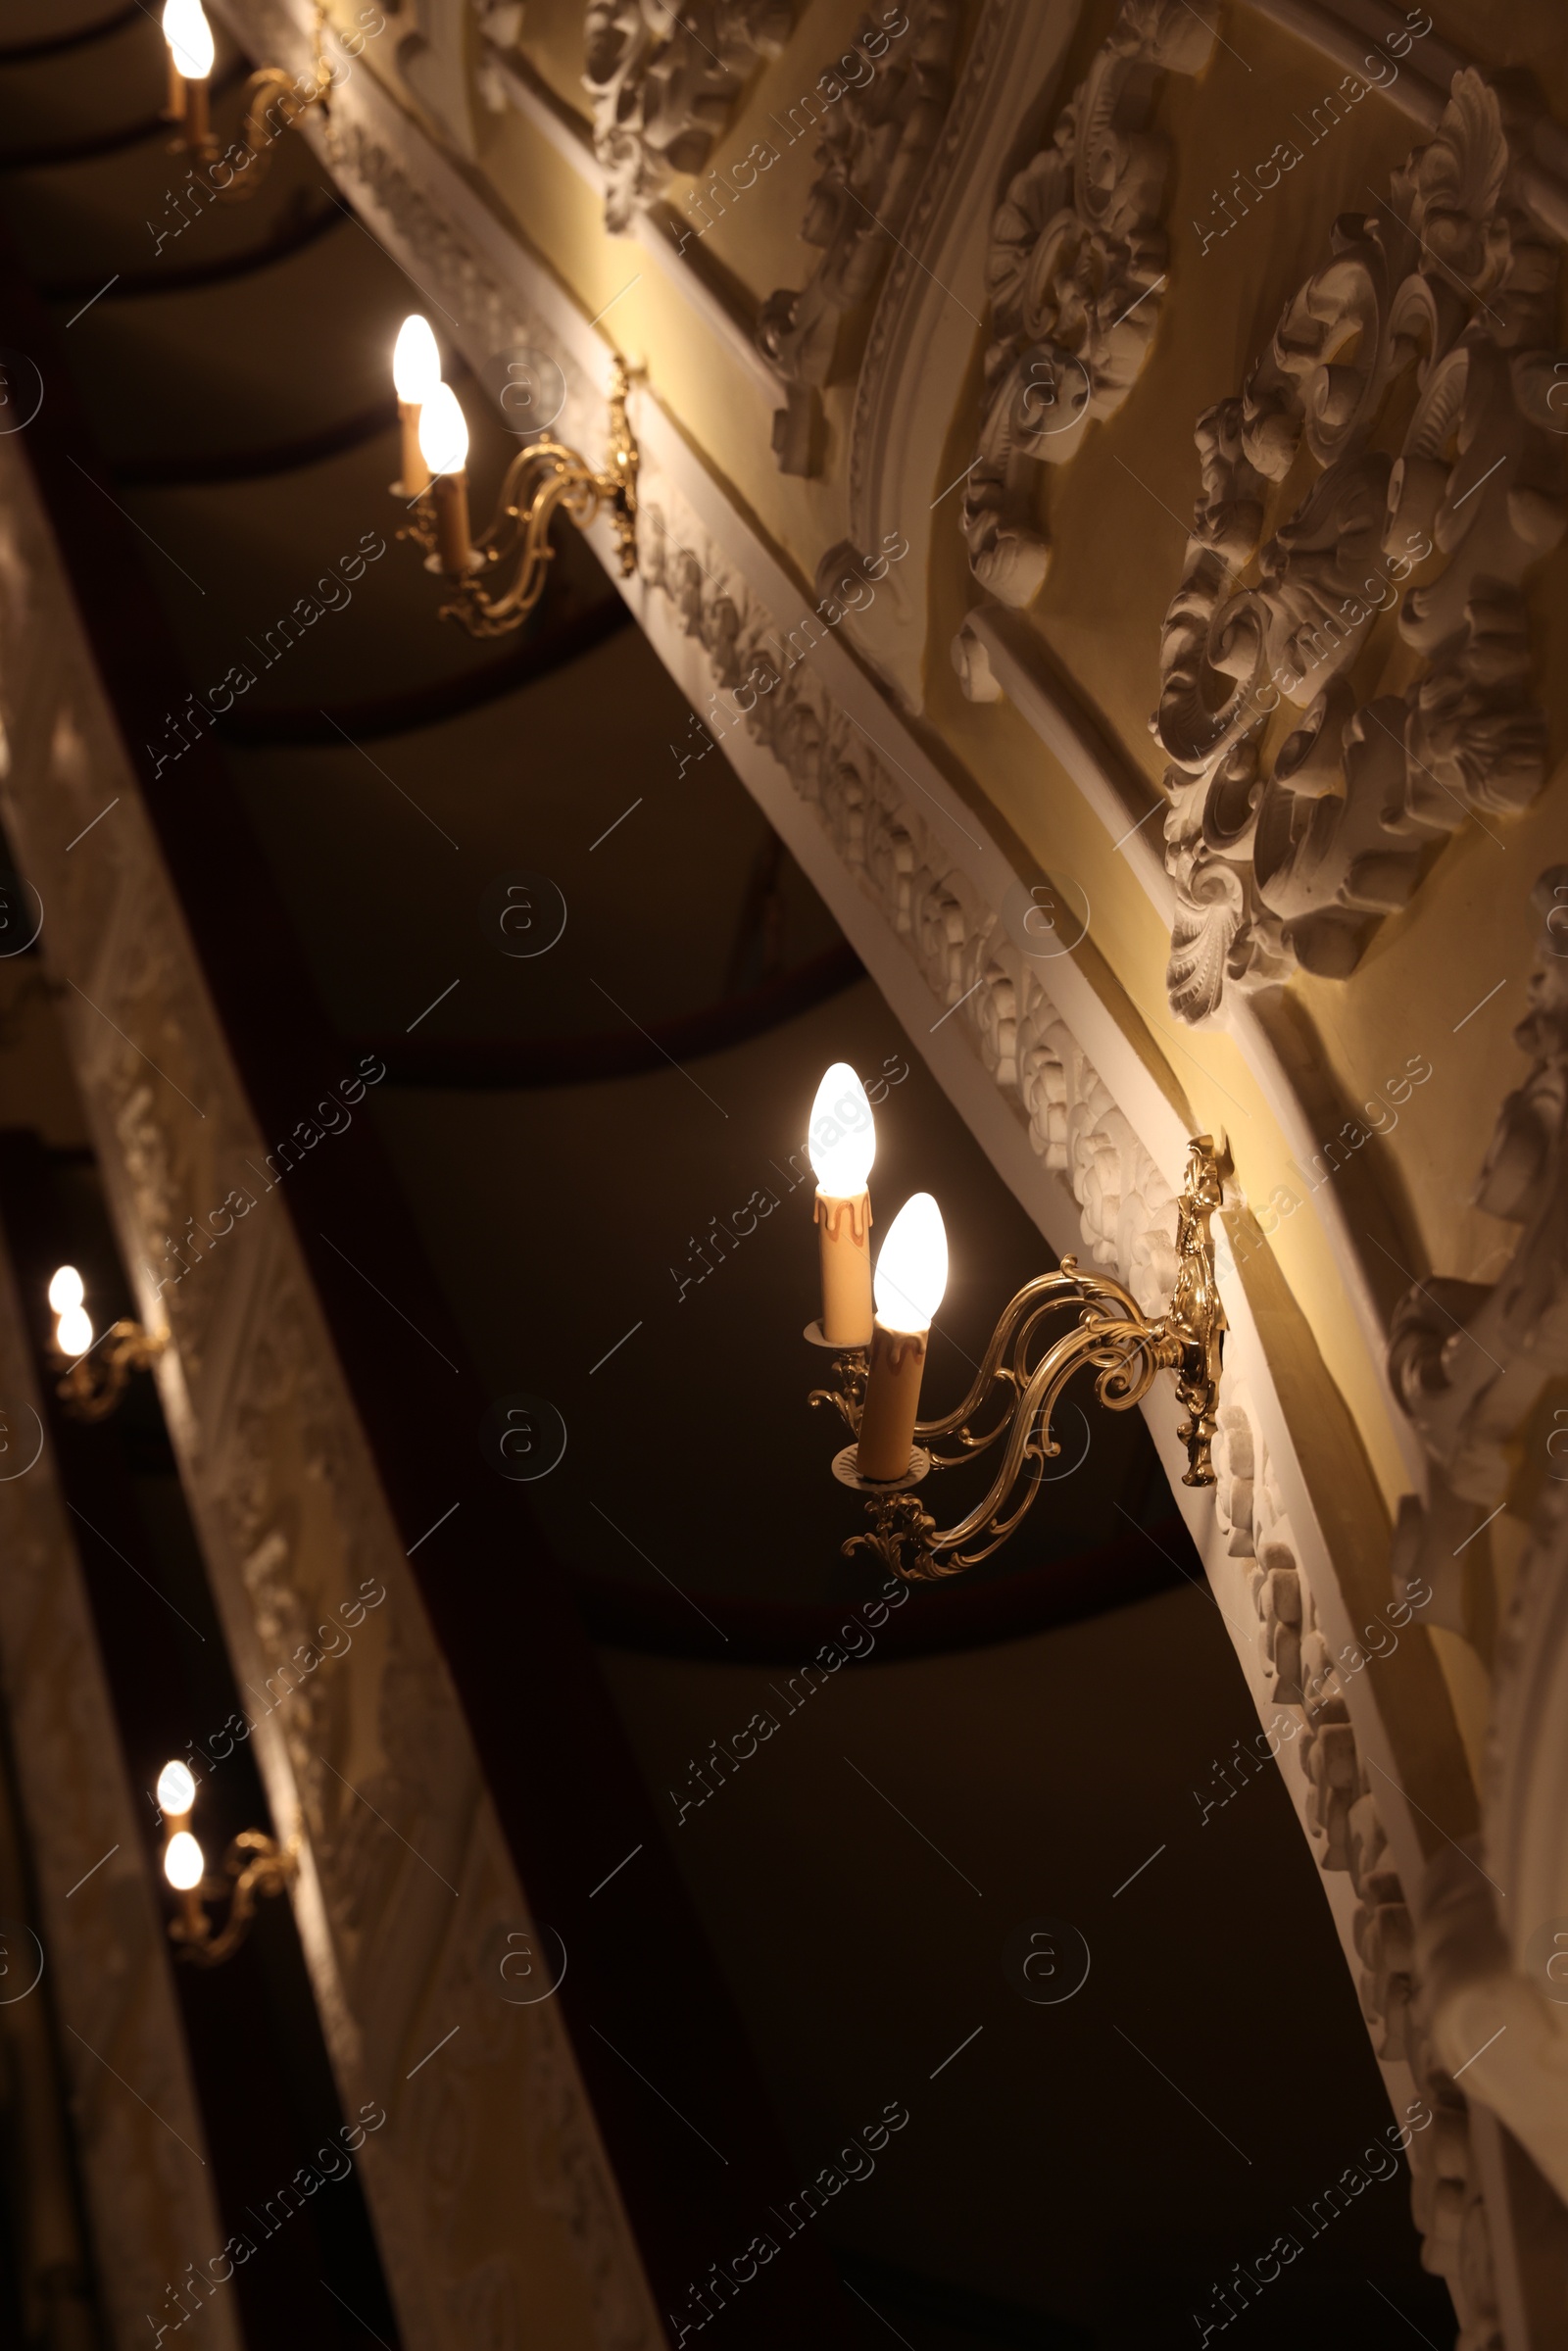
1291 851
1305 1681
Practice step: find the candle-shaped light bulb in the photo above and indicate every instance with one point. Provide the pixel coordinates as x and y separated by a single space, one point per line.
415 374
66 1290
73 1331
911 1276
415 361
189 37
176 1791
842 1144
190 61
184 1864
843 1139
443 430
444 446
911 1272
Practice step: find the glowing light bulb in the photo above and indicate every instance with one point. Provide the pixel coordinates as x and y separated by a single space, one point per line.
66 1290
73 1332
842 1141
443 431
189 37
911 1272
176 1790
184 1863
415 361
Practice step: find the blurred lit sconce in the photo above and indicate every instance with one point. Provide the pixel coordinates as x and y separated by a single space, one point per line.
95 1375
253 1866
497 578
273 99
878 1330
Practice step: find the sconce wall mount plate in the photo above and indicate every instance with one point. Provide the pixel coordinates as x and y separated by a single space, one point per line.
273 102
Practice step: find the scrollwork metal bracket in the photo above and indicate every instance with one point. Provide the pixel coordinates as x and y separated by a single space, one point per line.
542 479
255 1865
1111 1337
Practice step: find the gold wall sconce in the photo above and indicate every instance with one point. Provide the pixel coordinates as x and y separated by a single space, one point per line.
544 478
94 1374
273 99
877 1328
254 1866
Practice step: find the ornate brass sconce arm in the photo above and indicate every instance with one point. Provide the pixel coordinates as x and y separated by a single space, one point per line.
93 1386
274 103
543 480
1111 1337
253 1866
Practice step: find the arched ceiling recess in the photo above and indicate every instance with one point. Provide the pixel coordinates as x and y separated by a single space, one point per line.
1073 1075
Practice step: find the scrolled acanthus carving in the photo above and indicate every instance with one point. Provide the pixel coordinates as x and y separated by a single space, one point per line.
873 157
1074 273
664 82
1290 851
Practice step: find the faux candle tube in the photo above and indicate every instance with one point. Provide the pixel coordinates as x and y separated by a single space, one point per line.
846 1228
891 1403
416 473
450 494
198 131
174 111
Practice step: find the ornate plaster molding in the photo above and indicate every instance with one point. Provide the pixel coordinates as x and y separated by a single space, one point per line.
1074 272
1292 853
1337 1797
1045 1078
918 352
1298 1670
294 1526
1472 1361
664 84
874 155
1469 1361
